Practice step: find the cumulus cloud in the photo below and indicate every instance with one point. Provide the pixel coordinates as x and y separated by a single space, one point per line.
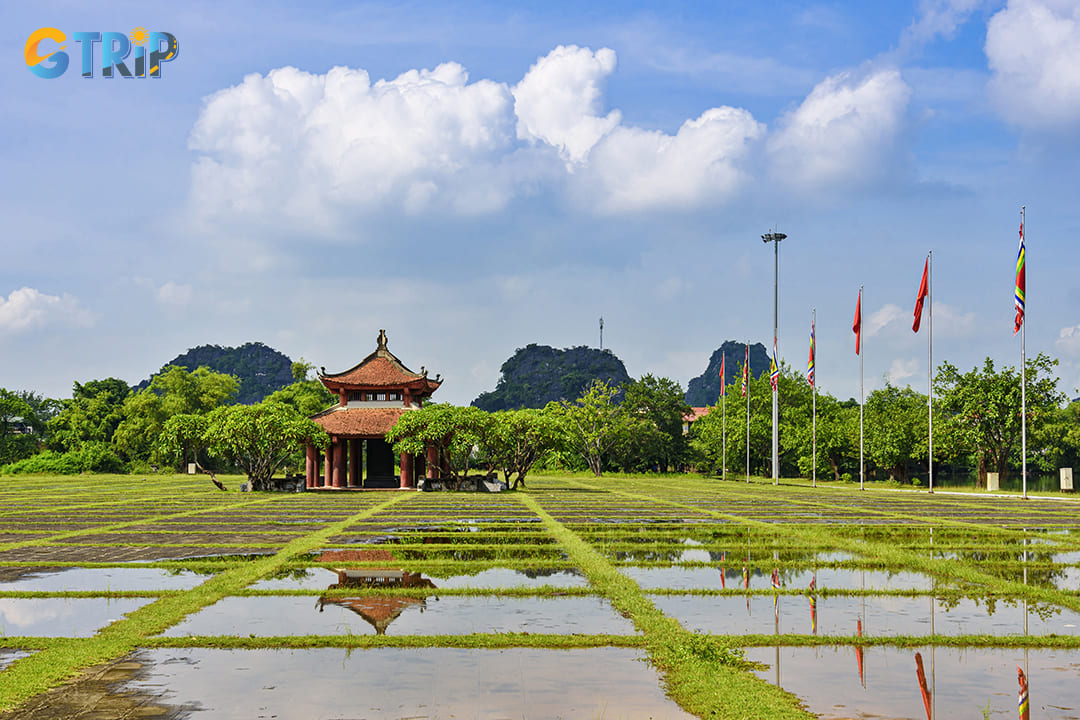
633 169
1068 342
844 132
27 308
304 146
902 369
558 101
174 294
879 319
938 18
1033 49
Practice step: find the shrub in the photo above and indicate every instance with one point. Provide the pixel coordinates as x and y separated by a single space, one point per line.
91 457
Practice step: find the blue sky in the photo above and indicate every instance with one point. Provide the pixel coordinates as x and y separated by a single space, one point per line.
473 177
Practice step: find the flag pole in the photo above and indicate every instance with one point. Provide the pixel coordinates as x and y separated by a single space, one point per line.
1023 366
723 411
813 396
930 364
861 470
746 379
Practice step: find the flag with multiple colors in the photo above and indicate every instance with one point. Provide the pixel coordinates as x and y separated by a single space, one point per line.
1021 284
774 372
813 604
746 371
1022 698
856 326
924 290
810 360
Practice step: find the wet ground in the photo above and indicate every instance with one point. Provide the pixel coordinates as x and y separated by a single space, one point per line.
441 570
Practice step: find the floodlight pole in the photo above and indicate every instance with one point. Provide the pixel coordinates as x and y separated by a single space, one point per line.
775 238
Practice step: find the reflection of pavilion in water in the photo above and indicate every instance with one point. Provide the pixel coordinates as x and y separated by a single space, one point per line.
378 610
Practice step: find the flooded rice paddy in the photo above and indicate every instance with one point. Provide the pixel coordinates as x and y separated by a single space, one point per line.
535 604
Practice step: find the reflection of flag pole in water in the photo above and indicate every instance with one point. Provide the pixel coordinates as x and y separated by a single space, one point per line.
859 653
746 586
1022 698
813 604
723 580
921 674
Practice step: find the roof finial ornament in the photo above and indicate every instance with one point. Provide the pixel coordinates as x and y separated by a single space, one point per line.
382 340
423 371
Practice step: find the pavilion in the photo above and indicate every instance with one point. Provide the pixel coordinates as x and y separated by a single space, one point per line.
372 395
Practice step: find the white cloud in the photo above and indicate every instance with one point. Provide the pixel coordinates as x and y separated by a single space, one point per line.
296 146
951 322
558 101
938 18
902 369
174 294
633 169
879 319
1068 341
1033 49
843 133
27 308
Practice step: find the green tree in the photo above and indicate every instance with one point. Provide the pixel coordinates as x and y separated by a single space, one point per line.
660 401
981 409
183 439
92 414
589 426
173 391
16 418
259 438
459 434
308 395
517 439
896 429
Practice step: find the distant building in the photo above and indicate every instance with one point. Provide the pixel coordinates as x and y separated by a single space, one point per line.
695 414
372 395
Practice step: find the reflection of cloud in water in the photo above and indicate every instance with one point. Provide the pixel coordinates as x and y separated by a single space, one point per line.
23 613
693 555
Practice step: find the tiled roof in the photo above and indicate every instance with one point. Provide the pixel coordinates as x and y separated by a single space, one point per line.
696 413
380 369
358 422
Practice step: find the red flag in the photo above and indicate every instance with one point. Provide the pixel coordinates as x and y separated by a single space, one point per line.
924 290
920 674
723 379
856 326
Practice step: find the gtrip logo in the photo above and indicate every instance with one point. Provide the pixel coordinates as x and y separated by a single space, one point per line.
46 58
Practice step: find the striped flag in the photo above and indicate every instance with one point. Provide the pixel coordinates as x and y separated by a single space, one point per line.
723 379
746 371
1021 284
774 372
813 604
810 360
1022 698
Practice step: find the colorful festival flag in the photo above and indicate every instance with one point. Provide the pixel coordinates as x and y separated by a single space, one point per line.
810 360
746 371
774 372
1022 698
813 604
1021 284
924 290
723 380
856 326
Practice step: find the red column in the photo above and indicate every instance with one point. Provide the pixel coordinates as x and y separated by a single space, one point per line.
406 470
354 462
329 463
432 462
339 463
311 468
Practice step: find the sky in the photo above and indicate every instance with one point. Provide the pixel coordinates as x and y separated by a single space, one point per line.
473 177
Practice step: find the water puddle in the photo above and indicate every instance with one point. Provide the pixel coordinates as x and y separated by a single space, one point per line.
9 656
330 683
398 615
46 579
878 616
492 578
719 578
62 617
883 682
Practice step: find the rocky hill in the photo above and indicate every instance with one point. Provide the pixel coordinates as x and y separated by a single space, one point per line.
537 374
260 369
705 388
